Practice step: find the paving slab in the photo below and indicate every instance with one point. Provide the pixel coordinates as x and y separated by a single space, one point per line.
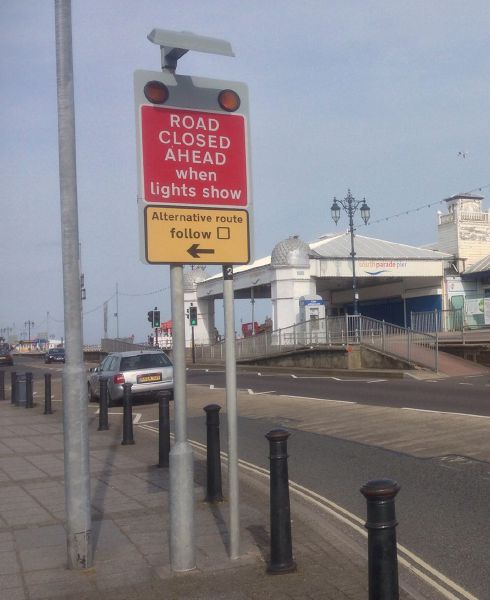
130 527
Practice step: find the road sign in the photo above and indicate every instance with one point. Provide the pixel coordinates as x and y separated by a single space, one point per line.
196 235
192 143
193 157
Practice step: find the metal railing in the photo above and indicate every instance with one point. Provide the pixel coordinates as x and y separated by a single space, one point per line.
437 320
108 345
413 346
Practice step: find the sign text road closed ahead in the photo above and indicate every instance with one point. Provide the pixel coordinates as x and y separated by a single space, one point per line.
197 235
193 157
192 142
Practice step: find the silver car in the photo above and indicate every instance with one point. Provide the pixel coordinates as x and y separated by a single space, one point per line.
149 371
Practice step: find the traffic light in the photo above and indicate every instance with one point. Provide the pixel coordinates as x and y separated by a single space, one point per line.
156 318
193 316
150 317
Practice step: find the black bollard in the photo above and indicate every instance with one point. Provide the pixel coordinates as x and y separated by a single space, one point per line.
13 387
29 397
103 405
281 559
381 523
163 430
214 492
2 385
47 394
127 416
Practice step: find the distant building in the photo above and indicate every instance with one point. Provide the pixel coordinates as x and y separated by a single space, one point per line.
464 232
394 280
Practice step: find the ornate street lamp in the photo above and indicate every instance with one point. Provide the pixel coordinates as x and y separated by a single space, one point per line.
350 205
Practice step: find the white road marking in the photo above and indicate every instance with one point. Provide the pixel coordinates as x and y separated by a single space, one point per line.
313 398
348 380
252 393
431 576
441 412
319 377
136 416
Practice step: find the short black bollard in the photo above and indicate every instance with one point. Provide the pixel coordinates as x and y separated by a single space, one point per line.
163 430
2 385
103 405
381 523
29 397
47 394
281 559
214 492
127 416
13 387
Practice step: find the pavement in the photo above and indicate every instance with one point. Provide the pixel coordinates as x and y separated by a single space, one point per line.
130 520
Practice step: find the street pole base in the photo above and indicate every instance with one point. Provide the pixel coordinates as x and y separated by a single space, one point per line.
127 442
181 508
278 569
214 499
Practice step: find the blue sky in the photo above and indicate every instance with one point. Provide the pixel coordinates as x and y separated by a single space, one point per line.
375 96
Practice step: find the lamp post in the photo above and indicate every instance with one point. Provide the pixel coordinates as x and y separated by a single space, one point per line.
29 324
350 206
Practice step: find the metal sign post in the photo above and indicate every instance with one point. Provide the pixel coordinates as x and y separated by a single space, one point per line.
182 543
231 412
195 207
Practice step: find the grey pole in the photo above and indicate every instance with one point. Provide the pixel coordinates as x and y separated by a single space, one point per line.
182 543
117 310
75 418
231 412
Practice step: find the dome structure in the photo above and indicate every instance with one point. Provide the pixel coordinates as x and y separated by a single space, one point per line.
291 252
193 277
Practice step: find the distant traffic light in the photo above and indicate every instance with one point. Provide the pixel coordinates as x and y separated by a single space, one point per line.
156 318
150 317
193 316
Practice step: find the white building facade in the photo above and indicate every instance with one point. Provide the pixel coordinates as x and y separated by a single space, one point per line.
393 280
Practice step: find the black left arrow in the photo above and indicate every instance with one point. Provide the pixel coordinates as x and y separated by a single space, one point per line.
196 252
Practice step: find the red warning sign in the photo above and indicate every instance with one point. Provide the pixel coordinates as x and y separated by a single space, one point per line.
192 157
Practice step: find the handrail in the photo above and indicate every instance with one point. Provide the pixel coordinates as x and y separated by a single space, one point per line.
414 346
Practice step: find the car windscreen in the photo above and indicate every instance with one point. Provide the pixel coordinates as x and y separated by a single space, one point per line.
57 351
144 361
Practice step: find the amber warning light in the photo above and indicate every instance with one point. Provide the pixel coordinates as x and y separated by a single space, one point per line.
156 92
229 100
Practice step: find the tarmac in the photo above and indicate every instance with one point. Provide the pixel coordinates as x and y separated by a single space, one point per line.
130 525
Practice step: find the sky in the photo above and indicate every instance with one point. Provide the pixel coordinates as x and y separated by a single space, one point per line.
387 99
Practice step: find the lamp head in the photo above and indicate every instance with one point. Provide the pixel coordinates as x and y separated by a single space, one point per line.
365 211
335 211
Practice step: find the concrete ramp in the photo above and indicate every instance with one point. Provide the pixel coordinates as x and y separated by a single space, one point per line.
454 366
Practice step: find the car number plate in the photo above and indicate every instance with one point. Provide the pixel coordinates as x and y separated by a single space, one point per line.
149 378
